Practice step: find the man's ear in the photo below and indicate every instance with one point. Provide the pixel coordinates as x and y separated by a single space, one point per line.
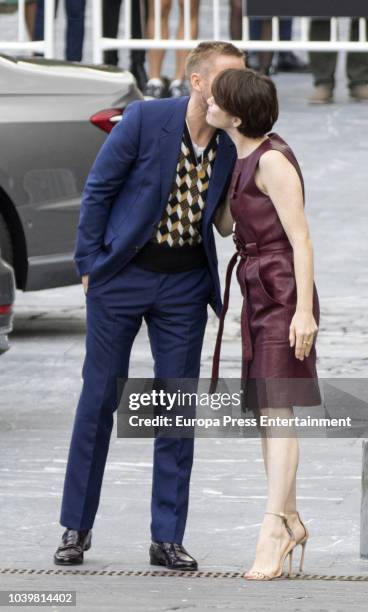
195 81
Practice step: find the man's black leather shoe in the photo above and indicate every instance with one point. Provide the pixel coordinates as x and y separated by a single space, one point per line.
172 555
73 544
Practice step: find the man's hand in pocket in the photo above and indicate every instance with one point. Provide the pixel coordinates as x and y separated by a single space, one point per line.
85 279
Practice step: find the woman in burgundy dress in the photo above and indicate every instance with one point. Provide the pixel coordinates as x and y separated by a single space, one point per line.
280 314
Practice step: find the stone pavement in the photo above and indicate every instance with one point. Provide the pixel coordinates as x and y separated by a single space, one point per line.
40 383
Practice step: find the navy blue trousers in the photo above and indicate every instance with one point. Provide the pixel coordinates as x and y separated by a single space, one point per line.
174 307
75 10
256 28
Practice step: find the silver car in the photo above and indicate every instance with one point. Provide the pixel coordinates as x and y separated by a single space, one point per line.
54 118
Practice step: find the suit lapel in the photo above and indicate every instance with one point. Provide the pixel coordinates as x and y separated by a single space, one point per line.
170 144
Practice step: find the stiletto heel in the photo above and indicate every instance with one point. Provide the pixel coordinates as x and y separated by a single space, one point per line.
288 552
303 540
291 562
303 545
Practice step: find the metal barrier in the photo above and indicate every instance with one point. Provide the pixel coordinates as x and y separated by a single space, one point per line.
45 46
100 43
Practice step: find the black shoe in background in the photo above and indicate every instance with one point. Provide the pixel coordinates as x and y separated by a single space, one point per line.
289 62
172 555
73 544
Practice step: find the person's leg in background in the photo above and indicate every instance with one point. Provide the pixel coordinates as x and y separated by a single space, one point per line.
155 87
236 16
323 65
357 68
265 57
176 327
255 33
260 29
110 28
30 15
138 56
38 31
178 86
287 60
286 28
39 22
75 11
236 24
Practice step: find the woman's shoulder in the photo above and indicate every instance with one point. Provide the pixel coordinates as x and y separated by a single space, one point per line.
278 143
273 160
278 159
278 148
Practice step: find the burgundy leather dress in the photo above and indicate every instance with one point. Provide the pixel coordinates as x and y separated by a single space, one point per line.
271 374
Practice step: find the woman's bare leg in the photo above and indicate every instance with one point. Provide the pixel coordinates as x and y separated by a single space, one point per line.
265 57
156 56
291 505
30 14
181 55
236 16
281 457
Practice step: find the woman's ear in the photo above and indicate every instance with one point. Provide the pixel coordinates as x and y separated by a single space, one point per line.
236 122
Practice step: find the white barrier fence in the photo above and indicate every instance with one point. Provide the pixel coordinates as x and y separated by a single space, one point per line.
100 43
45 46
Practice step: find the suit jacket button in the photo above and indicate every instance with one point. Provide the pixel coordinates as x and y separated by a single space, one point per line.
136 248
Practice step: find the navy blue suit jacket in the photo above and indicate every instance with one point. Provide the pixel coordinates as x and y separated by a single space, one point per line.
129 185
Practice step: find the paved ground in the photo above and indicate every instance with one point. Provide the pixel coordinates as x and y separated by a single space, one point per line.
40 384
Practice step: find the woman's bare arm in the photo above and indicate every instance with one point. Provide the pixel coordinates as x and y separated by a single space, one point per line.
277 177
223 219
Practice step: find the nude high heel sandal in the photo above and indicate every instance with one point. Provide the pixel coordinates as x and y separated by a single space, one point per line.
303 540
288 552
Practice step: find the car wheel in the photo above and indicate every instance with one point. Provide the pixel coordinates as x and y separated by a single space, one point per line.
6 245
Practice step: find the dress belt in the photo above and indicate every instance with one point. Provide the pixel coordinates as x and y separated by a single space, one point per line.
244 251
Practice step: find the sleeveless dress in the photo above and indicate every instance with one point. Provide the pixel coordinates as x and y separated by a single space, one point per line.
272 376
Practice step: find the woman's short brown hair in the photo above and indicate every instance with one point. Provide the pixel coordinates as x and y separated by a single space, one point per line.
250 96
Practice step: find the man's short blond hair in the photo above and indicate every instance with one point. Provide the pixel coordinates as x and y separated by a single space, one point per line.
202 53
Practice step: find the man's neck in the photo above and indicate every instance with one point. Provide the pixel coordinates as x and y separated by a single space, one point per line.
199 129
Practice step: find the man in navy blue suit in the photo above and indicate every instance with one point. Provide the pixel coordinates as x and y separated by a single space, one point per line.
146 249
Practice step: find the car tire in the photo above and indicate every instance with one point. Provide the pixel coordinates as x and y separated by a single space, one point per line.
6 245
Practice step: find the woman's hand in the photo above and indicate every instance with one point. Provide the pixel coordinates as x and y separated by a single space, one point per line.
303 329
